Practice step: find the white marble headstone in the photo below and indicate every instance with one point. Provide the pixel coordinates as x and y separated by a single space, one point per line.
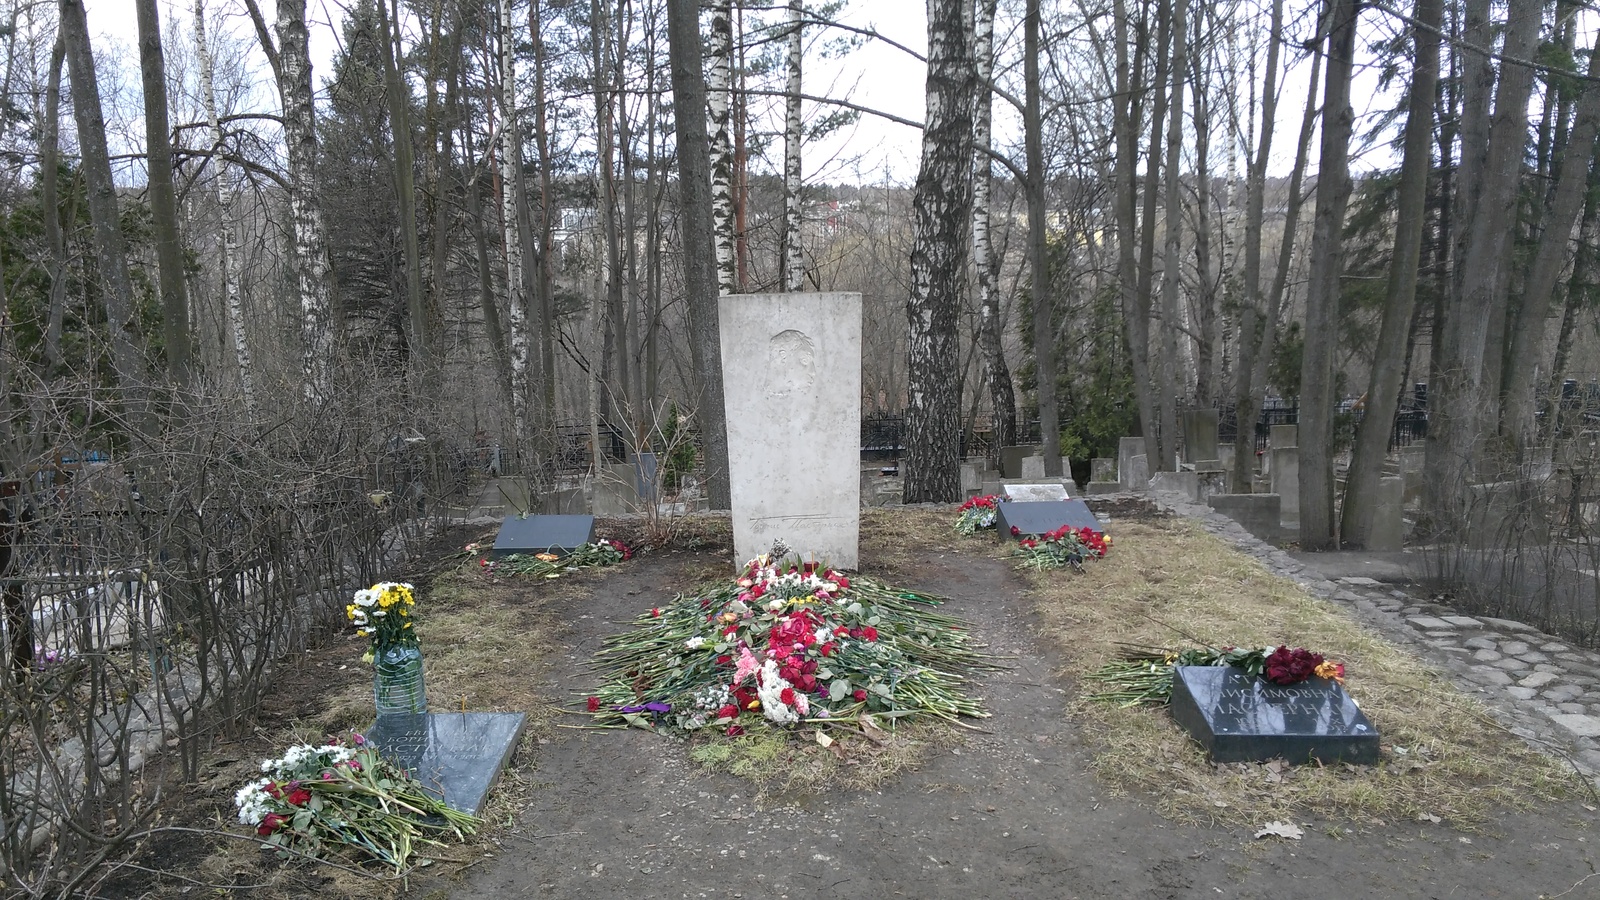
791 374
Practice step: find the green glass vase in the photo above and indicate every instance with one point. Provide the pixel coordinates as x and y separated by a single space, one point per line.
397 681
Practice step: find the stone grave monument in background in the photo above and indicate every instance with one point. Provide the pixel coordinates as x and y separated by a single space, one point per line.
1199 435
791 376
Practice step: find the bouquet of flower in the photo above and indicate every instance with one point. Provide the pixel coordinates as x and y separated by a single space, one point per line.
1066 546
1145 676
345 797
978 513
383 614
603 552
787 642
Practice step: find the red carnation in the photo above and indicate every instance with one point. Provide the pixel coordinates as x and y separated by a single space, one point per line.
728 712
656 611
1015 531
299 797
724 659
271 823
869 633
787 696
735 730
594 704
861 696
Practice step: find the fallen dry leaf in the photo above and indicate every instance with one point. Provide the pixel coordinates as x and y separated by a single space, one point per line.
1281 829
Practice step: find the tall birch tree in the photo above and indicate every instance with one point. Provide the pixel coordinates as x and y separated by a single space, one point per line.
996 374
719 87
290 59
511 187
941 213
228 248
793 260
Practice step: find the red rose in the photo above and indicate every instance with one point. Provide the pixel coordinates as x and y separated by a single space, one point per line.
861 696
728 712
844 583
271 823
594 704
1015 531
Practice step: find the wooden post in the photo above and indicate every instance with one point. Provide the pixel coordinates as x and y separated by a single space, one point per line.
19 621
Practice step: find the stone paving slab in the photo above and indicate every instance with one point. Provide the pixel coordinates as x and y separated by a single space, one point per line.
1540 688
1428 623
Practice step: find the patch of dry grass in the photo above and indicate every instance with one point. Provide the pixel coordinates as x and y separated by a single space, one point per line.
1168 583
786 766
894 538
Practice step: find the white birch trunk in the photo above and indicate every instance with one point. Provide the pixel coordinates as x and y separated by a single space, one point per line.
793 259
1174 366
719 87
510 186
312 273
233 301
996 374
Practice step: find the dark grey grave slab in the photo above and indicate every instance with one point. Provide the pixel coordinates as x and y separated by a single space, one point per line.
1037 517
1238 718
644 476
542 534
456 756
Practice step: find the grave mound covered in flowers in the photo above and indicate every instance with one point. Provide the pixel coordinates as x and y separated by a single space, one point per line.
788 642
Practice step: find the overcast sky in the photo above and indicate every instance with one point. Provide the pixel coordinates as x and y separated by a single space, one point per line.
877 76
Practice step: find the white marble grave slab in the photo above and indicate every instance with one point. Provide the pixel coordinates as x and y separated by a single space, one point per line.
791 374
1054 490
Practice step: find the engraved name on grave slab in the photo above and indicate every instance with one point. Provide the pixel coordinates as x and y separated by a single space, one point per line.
455 756
1240 718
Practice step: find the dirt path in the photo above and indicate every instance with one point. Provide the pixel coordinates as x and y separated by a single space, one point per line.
1014 813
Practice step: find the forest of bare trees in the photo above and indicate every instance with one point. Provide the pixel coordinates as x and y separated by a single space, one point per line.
253 301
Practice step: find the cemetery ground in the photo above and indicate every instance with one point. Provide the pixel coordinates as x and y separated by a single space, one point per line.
1053 795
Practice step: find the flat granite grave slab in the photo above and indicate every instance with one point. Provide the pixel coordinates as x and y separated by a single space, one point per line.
542 534
1038 517
456 756
1240 718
